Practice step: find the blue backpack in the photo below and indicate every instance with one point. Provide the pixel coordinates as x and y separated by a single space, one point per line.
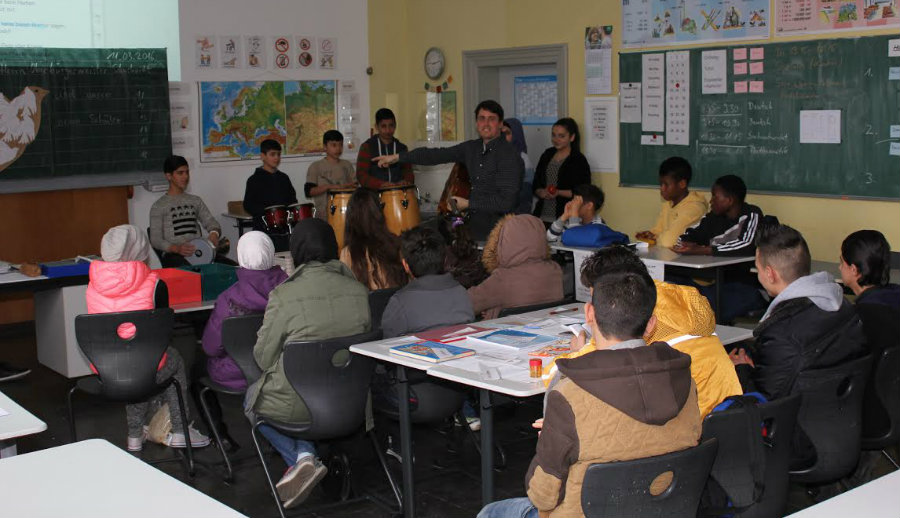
593 235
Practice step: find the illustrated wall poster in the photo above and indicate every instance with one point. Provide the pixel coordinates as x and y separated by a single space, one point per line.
281 48
818 16
675 22
205 51
256 51
448 116
598 59
230 51
306 52
328 53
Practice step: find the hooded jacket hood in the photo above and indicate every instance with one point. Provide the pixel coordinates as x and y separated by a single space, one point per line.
516 239
680 311
118 279
819 288
649 384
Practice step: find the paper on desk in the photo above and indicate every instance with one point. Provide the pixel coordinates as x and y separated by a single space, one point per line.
403 340
491 368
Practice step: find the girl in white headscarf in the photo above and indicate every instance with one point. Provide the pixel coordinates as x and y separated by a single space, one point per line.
122 281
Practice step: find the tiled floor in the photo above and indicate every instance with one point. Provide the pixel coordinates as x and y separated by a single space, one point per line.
447 464
448 482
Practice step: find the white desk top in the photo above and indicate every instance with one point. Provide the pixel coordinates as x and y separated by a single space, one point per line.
18 423
664 255
879 498
514 373
13 276
52 483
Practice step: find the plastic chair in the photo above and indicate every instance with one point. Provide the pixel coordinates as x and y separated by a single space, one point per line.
885 387
505 312
733 470
127 367
831 417
334 385
378 300
623 488
238 338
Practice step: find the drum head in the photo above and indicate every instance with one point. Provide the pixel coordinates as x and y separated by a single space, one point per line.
204 251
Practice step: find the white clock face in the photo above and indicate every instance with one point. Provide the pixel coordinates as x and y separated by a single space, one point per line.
434 63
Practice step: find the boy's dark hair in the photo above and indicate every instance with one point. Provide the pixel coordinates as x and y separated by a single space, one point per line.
173 162
590 193
491 106
332 136
623 303
784 249
424 250
676 167
870 252
733 186
611 258
384 114
269 145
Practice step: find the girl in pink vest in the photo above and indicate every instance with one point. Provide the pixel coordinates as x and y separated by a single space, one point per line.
122 281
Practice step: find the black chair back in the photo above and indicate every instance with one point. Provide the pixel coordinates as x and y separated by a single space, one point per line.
333 383
881 417
505 312
623 488
126 367
831 417
734 466
238 338
378 300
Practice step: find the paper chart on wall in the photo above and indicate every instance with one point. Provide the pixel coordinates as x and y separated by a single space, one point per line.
598 60
818 16
601 135
678 98
714 72
647 23
629 102
652 92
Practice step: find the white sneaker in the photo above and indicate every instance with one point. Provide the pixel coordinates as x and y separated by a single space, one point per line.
474 423
198 440
299 480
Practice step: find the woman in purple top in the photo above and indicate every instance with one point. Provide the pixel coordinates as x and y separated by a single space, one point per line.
257 276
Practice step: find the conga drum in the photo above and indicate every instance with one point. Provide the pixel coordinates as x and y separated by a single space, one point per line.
299 211
401 207
204 251
338 199
275 219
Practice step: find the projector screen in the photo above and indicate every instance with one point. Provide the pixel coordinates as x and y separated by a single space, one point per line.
93 24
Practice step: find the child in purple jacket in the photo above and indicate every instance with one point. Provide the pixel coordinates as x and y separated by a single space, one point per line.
257 276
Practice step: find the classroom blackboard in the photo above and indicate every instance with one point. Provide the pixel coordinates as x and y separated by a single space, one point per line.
82 117
757 135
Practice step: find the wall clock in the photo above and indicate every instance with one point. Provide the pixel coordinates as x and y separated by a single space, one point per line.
434 63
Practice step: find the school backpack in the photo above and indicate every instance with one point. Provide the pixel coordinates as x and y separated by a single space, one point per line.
593 235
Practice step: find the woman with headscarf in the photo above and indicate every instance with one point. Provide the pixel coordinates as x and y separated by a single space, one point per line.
370 250
319 301
515 135
122 281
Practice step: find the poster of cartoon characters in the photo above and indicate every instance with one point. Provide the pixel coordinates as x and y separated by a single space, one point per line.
671 22
816 16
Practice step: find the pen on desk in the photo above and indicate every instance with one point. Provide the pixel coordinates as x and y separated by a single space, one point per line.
565 310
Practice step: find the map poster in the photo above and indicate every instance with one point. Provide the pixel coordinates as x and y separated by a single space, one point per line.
816 16
675 22
448 116
235 116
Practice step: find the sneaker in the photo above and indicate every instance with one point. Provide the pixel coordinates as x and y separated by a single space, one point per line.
11 372
474 423
136 444
299 480
198 440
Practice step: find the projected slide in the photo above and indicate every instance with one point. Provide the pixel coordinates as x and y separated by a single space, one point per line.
93 24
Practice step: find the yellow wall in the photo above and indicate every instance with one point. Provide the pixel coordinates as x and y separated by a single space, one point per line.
400 31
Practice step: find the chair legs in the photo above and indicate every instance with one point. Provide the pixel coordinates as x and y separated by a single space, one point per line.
254 434
387 472
186 427
72 414
891 459
229 477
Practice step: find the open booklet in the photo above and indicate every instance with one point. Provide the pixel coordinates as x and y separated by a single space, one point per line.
514 338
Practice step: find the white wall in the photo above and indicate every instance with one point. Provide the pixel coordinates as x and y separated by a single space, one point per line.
346 20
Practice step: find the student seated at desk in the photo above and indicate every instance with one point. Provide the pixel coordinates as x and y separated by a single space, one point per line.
680 209
123 281
176 218
296 312
583 209
370 250
728 230
684 320
266 187
809 325
432 298
331 172
594 414
517 258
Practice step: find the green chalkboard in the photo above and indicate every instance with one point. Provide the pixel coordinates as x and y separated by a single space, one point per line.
95 114
757 135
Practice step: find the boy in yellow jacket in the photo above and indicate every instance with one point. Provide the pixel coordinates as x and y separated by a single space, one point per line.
680 209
